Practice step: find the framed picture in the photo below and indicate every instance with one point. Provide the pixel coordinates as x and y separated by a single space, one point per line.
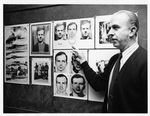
102 28
98 59
61 61
41 71
41 38
69 79
17 54
74 32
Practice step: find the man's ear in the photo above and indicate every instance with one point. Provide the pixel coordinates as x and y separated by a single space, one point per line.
133 31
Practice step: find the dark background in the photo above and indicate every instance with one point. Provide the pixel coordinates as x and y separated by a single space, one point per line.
37 98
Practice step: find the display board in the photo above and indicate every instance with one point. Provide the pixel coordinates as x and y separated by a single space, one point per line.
47 52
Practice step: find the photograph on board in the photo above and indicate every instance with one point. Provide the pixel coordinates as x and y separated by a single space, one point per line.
41 38
41 71
17 53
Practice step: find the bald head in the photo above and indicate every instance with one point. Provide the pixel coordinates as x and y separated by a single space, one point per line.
132 18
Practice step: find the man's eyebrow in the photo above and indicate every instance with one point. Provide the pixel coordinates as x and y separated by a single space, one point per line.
115 26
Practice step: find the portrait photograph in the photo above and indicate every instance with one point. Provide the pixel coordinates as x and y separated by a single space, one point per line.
61 61
78 86
75 66
87 33
41 71
98 60
61 85
102 28
17 54
41 38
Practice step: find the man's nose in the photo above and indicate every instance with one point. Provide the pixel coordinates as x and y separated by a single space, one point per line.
110 33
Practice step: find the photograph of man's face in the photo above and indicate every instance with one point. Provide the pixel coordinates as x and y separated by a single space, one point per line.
78 85
85 28
61 84
40 35
60 31
71 30
61 61
76 65
40 38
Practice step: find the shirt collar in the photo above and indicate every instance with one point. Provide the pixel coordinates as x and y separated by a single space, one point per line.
130 50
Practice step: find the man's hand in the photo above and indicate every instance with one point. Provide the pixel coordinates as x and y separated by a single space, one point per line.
78 55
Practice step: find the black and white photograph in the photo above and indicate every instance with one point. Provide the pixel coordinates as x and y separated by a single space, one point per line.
78 86
87 33
61 61
75 66
17 54
41 38
41 71
102 28
98 59
61 85
74 32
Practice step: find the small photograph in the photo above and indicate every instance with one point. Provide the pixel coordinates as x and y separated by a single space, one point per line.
61 61
87 33
66 34
78 87
41 38
61 85
17 53
102 29
75 66
98 60
41 71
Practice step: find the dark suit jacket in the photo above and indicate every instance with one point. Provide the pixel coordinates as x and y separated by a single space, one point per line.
36 48
130 88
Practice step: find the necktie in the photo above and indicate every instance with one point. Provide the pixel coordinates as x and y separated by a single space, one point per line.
114 77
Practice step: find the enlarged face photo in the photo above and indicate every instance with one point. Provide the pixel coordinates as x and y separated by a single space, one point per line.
61 61
40 38
61 85
16 53
78 86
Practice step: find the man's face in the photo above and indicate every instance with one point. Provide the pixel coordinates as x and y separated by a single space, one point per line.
61 84
119 31
77 65
61 62
72 30
85 29
78 85
40 35
60 31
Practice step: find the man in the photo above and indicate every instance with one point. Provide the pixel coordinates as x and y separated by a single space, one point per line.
128 91
61 84
41 46
60 31
72 30
85 27
78 85
61 61
76 67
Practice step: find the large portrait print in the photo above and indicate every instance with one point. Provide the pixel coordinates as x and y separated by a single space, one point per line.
98 60
41 38
17 54
74 32
102 29
41 71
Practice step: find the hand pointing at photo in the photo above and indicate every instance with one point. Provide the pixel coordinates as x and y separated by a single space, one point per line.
78 55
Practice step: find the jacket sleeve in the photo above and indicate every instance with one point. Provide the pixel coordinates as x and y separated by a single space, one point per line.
98 81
